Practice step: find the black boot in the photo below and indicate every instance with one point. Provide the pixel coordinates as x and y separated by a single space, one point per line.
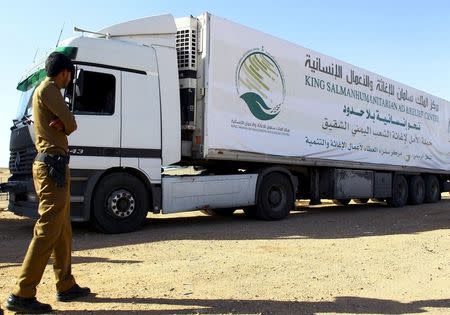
73 293
26 305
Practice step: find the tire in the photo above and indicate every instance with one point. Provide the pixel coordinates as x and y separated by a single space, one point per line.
222 212
399 192
361 200
120 203
416 190
275 197
432 189
341 202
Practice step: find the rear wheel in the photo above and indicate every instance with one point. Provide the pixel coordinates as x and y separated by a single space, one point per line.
416 190
120 203
399 192
275 197
432 190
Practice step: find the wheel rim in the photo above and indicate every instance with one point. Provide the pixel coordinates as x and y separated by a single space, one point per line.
434 189
420 190
276 196
401 190
121 204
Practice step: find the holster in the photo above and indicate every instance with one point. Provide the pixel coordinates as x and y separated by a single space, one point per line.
56 166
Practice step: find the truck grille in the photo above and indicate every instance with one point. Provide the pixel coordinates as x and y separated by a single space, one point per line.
21 161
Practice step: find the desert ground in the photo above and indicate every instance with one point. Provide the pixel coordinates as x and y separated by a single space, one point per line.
360 259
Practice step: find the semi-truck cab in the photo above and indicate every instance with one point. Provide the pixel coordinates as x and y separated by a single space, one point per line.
126 100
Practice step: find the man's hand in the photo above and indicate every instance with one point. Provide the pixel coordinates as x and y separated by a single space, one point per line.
57 124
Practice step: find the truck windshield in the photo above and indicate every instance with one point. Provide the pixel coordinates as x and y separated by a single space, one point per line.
25 104
27 87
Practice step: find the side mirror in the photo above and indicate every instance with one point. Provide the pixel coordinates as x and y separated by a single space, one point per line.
68 95
75 90
79 82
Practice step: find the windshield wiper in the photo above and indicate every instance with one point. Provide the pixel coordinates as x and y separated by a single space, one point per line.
26 119
15 123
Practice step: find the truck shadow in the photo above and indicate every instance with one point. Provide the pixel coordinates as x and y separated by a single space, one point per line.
343 304
324 222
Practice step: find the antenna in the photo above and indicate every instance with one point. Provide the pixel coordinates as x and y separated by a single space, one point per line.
60 33
76 29
34 58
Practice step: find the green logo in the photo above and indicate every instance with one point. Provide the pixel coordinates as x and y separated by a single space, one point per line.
260 83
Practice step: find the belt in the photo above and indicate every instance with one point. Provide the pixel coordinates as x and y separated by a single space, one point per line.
52 158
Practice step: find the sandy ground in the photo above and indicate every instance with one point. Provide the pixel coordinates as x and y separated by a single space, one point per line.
363 259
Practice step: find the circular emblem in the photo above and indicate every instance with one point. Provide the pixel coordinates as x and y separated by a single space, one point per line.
260 83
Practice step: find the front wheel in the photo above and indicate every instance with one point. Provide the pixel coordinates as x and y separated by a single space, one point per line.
120 203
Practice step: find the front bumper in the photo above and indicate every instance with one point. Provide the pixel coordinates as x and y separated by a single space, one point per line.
22 197
13 187
24 202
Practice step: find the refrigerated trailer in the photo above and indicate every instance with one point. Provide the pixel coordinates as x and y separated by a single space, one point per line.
263 121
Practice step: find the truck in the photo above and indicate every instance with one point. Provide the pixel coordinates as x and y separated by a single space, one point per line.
262 121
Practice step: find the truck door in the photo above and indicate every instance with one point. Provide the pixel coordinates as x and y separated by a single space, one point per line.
97 109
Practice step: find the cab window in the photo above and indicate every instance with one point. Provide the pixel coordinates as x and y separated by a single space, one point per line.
98 96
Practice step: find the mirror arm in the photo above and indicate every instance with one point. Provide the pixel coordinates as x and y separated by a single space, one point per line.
73 92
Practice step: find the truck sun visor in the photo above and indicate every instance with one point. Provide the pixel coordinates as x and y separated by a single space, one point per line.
36 78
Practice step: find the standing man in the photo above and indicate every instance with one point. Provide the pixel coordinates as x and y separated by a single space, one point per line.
53 122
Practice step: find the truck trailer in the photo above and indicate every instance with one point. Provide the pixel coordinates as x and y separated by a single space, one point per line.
263 121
